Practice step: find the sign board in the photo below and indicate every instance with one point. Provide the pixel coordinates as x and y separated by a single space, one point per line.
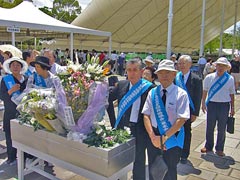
13 29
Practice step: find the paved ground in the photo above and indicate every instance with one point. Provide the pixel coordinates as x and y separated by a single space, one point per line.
200 166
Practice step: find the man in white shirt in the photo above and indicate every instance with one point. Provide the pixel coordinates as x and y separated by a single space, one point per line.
164 117
218 101
55 68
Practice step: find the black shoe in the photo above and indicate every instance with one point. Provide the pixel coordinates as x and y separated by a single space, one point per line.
183 161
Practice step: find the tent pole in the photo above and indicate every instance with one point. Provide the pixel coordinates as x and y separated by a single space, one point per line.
35 43
222 24
13 38
202 28
169 38
234 29
110 46
71 46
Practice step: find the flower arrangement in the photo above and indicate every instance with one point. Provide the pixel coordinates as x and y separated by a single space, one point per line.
38 108
77 81
102 135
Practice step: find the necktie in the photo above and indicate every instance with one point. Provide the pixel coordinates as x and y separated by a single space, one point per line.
164 96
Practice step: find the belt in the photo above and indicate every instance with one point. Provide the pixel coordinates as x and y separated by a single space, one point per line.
132 124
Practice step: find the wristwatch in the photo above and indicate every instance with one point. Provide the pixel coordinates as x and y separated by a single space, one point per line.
166 137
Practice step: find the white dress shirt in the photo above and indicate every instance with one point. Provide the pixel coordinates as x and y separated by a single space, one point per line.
185 77
135 109
177 105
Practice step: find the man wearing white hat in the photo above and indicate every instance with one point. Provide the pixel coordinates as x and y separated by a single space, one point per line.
149 61
165 111
217 100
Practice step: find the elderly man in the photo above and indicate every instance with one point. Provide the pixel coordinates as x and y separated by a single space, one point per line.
131 95
55 68
192 84
219 90
166 109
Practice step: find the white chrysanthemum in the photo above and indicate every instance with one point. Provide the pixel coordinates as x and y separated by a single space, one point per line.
99 131
101 123
127 129
108 128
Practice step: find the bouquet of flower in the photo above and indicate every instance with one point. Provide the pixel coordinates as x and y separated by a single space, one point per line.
40 105
81 82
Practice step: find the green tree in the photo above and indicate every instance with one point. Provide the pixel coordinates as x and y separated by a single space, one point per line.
63 10
8 5
227 42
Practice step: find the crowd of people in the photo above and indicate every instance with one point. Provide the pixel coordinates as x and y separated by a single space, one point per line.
157 102
165 109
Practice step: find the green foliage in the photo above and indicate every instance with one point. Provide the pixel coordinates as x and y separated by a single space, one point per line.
105 137
9 5
25 118
227 42
65 10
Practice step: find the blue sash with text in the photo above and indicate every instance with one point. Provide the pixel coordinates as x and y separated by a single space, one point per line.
162 120
132 95
9 81
180 83
217 86
39 80
28 73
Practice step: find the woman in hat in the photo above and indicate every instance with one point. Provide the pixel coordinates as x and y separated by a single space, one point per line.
43 78
11 85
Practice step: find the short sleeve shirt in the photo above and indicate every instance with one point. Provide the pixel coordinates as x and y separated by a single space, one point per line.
223 95
177 105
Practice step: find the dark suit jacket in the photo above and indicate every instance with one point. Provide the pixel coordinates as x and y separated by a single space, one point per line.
117 93
194 86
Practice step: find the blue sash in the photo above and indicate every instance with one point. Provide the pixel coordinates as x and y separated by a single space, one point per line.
9 81
132 95
39 80
162 120
28 73
180 83
217 86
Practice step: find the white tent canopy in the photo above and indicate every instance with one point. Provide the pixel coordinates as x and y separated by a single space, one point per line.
143 25
26 15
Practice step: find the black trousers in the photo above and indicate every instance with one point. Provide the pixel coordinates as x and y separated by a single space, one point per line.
187 139
172 157
11 151
143 142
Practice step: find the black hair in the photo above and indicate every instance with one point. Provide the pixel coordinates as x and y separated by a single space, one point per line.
25 55
17 62
43 67
152 70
